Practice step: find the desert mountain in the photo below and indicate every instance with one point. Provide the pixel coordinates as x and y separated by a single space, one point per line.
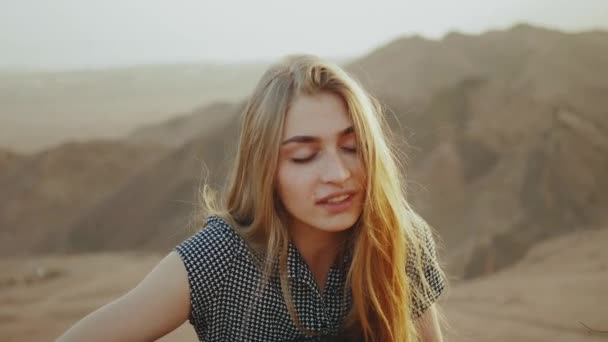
507 135
157 207
42 193
8 161
183 128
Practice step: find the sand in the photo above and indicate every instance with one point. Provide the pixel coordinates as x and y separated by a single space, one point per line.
542 298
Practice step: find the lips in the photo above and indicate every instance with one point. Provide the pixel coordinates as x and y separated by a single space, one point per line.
336 197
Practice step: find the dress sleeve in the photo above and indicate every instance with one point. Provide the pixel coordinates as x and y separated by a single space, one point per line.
207 256
423 297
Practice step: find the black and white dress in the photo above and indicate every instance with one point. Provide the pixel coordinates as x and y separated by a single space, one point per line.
228 305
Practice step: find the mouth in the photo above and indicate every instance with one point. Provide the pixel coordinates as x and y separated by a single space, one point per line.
337 197
337 204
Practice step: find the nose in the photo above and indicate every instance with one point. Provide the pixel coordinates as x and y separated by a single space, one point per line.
336 171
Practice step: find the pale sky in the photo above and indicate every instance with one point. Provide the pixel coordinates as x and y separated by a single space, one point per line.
60 34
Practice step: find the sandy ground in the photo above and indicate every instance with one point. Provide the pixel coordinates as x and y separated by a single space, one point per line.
52 293
543 298
559 284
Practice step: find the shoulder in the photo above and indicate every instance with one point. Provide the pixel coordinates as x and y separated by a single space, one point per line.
422 231
208 257
423 267
209 253
216 237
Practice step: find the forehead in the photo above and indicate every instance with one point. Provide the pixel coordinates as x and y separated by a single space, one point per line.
322 114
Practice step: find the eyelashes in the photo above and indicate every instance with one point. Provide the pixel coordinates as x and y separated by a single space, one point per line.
303 160
349 150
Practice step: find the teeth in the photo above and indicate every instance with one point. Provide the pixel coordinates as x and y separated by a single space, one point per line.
337 199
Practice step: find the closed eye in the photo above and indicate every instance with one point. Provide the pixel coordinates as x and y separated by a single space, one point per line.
303 160
348 149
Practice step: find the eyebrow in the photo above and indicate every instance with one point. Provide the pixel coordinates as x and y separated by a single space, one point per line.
310 139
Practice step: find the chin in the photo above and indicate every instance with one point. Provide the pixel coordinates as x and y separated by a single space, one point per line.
337 223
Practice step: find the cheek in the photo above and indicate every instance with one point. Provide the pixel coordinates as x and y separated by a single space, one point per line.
295 184
358 171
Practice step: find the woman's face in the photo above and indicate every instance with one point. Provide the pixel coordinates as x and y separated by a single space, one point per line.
320 178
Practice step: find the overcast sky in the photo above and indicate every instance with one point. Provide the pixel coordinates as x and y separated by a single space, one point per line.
86 33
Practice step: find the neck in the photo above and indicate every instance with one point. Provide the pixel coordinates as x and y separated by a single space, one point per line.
316 246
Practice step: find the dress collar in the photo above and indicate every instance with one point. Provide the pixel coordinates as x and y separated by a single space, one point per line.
296 266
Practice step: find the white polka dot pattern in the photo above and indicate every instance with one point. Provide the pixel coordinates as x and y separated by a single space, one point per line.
227 303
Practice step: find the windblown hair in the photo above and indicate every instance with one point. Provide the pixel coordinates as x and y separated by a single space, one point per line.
384 237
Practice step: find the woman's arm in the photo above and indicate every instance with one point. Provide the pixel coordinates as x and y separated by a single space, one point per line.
428 326
155 307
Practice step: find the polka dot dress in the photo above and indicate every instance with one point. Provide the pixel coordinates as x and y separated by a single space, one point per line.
228 303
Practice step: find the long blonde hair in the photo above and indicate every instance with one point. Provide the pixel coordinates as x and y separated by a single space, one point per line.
383 236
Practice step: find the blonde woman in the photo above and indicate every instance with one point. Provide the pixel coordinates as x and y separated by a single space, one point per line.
312 239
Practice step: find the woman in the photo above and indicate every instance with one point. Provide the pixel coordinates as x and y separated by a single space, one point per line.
313 239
